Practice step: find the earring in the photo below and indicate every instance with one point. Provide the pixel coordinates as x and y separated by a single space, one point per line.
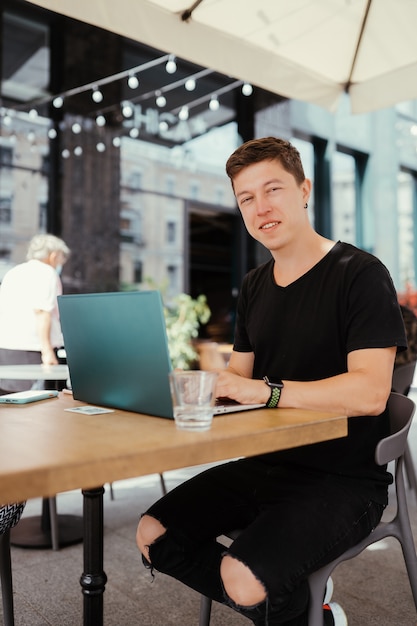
306 205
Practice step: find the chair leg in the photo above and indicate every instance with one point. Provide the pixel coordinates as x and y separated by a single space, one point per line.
205 611
317 582
163 485
6 579
111 491
54 523
410 469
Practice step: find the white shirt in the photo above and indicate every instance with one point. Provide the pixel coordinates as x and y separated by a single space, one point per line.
26 288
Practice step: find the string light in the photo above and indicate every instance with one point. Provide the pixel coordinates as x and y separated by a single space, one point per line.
117 142
133 81
160 100
100 120
214 103
97 96
247 89
58 102
127 109
171 66
190 84
78 150
183 114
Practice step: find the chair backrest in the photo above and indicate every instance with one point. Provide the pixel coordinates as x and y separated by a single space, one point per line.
10 515
402 377
401 412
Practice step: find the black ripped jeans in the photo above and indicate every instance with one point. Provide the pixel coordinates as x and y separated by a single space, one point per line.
294 522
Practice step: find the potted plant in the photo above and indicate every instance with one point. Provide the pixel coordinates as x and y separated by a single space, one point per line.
183 317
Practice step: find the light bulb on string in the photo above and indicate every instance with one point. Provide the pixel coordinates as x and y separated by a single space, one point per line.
96 95
100 120
52 133
117 142
58 102
160 100
189 84
100 147
163 126
127 109
134 133
171 66
78 150
76 128
33 114
247 89
65 153
214 103
183 114
133 81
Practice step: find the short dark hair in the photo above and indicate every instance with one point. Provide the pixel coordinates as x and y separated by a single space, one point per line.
266 149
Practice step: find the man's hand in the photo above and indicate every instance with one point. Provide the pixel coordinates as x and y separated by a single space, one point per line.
241 389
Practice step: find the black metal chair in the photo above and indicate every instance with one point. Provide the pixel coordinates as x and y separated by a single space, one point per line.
390 448
9 516
402 379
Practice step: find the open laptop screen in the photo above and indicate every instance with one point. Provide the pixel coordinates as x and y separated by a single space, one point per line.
117 350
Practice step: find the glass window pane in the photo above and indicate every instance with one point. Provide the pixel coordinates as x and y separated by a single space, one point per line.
306 150
343 198
405 201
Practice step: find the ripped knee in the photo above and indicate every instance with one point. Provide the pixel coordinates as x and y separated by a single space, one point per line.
240 584
148 531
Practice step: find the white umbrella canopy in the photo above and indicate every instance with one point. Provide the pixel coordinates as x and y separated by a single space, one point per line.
311 50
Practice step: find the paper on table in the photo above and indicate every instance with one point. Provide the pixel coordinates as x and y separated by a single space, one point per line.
90 410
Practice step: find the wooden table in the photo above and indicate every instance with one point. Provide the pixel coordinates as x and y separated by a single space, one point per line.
45 449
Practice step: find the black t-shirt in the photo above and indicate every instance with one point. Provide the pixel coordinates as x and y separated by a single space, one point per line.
305 331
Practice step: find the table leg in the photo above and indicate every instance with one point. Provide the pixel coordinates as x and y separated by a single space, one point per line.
93 579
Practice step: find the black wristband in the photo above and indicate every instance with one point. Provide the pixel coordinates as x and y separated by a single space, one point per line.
276 389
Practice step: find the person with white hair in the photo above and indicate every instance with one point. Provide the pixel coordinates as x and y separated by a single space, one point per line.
30 331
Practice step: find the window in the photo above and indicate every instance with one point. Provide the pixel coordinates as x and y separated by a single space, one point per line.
219 196
135 179
194 189
138 271
405 201
306 150
172 273
170 185
343 209
171 232
6 156
5 210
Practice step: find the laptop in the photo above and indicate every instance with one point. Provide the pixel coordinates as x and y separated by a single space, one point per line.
117 352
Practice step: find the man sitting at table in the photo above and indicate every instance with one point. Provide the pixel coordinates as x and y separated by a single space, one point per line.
318 327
